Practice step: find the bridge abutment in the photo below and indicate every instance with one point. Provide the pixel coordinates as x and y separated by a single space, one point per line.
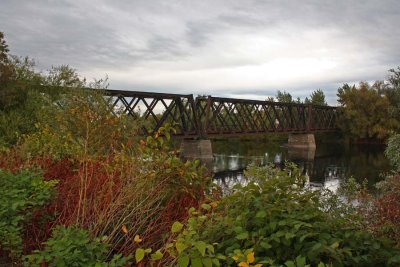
306 141
197 149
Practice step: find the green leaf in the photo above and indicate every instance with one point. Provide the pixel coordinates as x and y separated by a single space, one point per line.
201 247
183 261
139 255
242 236
300 261
196 262
205 206
180 246
290 264
156 255
207 262
265 245
321 264
261 214
210 248
176 227
335 245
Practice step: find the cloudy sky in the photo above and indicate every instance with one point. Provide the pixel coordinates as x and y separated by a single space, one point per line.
244 49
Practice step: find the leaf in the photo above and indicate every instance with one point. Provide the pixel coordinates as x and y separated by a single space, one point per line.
180 246
290 264
265 245
242 236
261 214
156 255
335 245
205 206
183 261
196 262
300 261
139 255
243 264
258 265
124 229
176 227
201 247
321 264
137 239
250 257
207 262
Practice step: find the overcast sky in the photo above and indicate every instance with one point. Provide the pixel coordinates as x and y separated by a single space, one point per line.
244 49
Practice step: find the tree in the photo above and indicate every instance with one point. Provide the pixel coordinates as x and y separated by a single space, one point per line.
270 99
316 98
391 89
6 70
364 112
284 97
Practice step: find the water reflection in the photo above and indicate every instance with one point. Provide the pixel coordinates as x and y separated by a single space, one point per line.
326 166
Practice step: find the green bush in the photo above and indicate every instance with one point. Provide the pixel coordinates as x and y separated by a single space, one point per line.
285 223
393 150
72 247
20 195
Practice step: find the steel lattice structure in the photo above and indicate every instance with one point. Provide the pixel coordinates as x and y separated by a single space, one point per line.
204 117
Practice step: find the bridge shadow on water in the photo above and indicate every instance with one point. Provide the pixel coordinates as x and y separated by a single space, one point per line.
327 166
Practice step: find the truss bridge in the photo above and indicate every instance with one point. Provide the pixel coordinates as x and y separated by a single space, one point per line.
206 117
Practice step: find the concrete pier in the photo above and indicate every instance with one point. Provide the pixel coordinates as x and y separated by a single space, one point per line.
196 149
306 141
303 154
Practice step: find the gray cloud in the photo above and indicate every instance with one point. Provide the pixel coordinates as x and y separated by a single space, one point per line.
238 48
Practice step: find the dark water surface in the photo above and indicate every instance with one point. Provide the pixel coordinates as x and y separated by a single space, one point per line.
327 166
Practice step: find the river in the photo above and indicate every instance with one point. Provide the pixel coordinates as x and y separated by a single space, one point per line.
328 165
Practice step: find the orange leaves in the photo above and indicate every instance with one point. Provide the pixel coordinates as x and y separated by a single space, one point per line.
245 259
124 229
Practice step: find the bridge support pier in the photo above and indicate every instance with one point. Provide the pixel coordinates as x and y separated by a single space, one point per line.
197 149
302 141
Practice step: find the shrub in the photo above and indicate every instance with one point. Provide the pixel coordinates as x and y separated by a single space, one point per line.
384 213
20 195
392 151
283 222
78 124
72 247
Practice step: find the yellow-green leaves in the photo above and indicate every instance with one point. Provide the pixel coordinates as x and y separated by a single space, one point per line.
183 261
139 255
156 255
176 227
180 246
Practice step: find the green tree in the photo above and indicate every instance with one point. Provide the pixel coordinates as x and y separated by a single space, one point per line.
6 70
284 97
391 89
316 98
364 112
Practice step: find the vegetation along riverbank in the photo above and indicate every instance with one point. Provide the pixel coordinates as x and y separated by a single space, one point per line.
81 187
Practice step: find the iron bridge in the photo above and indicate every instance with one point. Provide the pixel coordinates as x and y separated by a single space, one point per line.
208 116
